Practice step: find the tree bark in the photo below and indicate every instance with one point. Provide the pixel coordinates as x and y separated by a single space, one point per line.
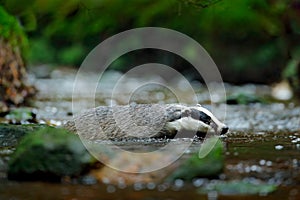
13 86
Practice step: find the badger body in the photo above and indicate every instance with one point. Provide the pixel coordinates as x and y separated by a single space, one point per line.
144 121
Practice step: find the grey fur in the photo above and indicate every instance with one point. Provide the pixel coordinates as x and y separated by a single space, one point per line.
134 120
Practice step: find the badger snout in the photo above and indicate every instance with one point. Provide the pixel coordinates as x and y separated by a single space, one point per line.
219 127
198 119
206 117
224 130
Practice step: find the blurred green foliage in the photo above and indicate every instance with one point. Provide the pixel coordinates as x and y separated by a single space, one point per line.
245 99
245 37
201 3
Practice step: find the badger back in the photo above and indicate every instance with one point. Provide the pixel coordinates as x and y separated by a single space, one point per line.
135 120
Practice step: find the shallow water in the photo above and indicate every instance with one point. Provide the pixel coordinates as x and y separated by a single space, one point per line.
269 157
65 191
255 159
263 145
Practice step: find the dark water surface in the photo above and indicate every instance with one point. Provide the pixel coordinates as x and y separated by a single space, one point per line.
263 145
271 158
59 191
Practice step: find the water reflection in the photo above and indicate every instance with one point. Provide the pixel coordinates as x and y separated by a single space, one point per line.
263 145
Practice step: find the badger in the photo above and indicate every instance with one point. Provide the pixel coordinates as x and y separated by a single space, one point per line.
145 121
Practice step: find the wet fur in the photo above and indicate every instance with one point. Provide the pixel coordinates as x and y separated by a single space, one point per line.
135 120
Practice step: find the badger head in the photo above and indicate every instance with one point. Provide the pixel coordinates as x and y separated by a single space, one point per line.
197 119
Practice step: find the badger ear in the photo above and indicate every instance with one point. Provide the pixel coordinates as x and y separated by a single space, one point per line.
186 113
199 105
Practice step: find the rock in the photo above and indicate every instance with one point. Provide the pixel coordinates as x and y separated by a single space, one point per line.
238 188
21 116
131 165
209 166
11 134
282 91
245 99
48 154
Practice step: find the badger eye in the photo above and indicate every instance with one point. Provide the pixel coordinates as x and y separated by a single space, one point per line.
207 122
201 116
204 118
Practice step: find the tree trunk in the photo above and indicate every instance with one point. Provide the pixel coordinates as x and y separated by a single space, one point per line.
13 87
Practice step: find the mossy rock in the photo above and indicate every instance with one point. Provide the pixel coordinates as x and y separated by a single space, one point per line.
11 30
14 87
209 166
11 134
48 154
21 115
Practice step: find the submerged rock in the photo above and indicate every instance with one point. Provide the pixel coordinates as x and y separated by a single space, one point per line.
238 188
125 170
48 154
209 166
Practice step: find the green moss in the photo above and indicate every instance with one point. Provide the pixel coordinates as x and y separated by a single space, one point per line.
20 114
12 31
11 134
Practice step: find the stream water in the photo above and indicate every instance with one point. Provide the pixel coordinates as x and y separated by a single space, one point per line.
263 144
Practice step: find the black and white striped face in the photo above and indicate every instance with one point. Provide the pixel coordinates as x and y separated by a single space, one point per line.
198 118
